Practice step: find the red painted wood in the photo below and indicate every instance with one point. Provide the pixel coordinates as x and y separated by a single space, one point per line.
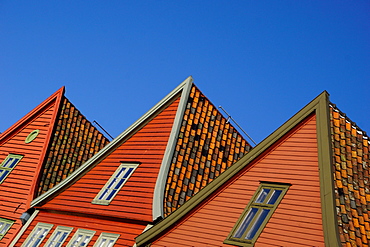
16 190
298 214
127 231
134 200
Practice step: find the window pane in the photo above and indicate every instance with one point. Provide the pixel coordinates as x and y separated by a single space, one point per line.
3 174
262 196
128 172
247 220
260 218
11 163
275 195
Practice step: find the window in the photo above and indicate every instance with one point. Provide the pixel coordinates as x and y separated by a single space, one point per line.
58 237
81 238
37 235
5 226
256 214
106 240
114 184
8 164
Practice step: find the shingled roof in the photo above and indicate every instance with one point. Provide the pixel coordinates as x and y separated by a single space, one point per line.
75 140
351 165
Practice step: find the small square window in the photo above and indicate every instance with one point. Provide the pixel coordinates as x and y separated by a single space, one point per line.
5 226
106 240
8 165
58 237
37 235
81 238
257 214
114 184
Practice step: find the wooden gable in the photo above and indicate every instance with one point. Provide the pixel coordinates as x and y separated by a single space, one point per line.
28 176
299 154
184 129
16 189
292 160
134 201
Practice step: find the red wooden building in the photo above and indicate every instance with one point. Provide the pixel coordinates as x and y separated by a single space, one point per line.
151 169
38 152
307 184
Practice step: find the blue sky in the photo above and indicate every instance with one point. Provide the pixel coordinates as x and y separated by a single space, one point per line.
261 60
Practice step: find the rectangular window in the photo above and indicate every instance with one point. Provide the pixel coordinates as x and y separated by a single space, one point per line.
8 164
5 226
106 240
37 235
58 237
114 184
256 214
81 238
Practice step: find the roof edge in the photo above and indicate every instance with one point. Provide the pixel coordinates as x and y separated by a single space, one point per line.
75 175
158 195
59 95
316 104
34 111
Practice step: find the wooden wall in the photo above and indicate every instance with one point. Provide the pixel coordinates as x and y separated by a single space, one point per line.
296 221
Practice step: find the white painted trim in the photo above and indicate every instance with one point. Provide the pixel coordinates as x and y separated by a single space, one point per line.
34 233
112 145
24 228
158 195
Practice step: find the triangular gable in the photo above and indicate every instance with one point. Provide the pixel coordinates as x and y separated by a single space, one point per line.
17 189
45 132
200 131
49 107
142 153
110 147
319 106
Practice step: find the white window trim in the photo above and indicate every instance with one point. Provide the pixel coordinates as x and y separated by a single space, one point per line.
31 240
108 236
2 227
84 233
4 168
111 180
61 229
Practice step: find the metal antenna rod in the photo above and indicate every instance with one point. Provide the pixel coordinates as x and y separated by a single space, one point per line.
228 119
103 129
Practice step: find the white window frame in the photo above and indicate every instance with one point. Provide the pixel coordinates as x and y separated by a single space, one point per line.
5 165
84 233
57 238
35 235
5 225
119 178
105 236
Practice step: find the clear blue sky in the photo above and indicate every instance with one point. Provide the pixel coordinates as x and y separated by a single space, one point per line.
261 60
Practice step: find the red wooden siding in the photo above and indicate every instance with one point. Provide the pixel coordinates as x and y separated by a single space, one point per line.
206 146
16 189
134 200
296 221
126 230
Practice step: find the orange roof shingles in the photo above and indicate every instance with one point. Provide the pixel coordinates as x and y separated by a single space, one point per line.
207 145
352 183
75 140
